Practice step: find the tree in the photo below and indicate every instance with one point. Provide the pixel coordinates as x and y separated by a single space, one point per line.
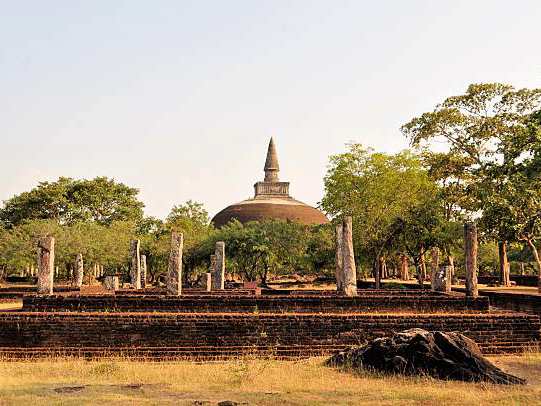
377 190
68 201
257 250
483 132
99 244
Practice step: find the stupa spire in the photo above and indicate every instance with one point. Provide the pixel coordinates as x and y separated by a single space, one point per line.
271 163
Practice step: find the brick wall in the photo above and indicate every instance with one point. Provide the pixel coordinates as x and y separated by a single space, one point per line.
428 303
161 335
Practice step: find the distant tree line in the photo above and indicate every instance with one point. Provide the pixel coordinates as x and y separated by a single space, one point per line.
475 157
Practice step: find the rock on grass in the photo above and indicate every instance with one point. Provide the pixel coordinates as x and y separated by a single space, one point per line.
419 352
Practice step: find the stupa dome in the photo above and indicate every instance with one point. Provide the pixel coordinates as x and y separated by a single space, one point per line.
271 201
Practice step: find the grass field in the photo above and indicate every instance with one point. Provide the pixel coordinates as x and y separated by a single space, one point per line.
246 381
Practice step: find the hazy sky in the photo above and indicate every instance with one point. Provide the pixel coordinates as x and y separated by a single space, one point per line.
179 98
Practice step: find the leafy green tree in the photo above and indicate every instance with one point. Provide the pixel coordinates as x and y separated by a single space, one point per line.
257 250
484 134
379 191
69 201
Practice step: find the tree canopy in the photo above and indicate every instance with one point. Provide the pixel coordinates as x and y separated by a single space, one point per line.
68 201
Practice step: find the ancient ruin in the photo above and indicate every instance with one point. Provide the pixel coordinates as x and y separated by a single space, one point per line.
199 323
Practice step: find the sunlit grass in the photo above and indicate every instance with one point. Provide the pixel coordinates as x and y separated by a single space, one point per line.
264 382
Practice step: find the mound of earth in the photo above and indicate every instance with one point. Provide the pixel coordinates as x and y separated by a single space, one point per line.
420 352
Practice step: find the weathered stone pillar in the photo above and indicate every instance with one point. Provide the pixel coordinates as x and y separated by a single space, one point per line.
79 271
110 282
349 281
339 257
404 267
470 258
505 278
45 265
209 281
218 278
174 270
143 271
135 269
434 264
441 280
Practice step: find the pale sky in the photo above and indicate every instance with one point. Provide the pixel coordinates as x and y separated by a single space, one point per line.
179 98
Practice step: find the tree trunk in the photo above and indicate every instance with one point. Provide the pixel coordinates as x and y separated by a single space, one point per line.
377 272
418 271
504 264
535 254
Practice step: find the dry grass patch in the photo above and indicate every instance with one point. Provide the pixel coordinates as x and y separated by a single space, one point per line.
261 382
11 304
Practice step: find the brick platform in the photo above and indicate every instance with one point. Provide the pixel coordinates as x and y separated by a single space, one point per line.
165 335
299 303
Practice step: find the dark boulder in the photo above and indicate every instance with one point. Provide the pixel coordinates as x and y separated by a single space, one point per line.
420 352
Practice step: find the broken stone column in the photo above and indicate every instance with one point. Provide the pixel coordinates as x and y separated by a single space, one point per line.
470 258
110 282
505 277
349 274
218 277
143 271
404 267
79 271
441 279
434 264
135 269
339 263
45 265
209 281
174 270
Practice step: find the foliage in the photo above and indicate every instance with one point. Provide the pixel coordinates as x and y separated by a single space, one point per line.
256 250
106 245
390 197
68 201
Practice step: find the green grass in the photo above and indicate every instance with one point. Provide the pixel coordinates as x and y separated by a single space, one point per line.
261 382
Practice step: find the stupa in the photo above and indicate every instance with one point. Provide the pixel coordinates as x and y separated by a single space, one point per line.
271 201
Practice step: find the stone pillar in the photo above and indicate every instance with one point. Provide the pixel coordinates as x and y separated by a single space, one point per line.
434 264
79 271
209 281
505 278
135 269
212 269
404 267
349 281
110 282
143 271
218 280
339 260
470 258
441 280
45 265
174 270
